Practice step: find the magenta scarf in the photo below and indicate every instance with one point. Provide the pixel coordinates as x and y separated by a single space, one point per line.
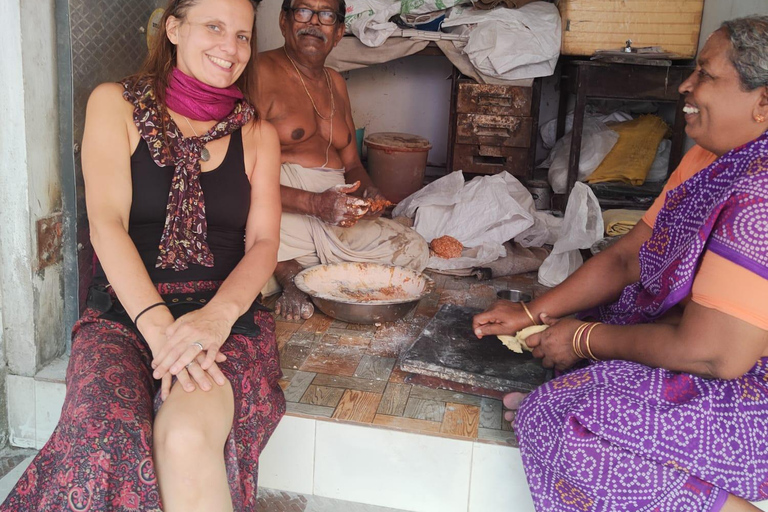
192 98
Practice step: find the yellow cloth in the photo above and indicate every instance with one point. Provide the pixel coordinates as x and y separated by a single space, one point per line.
632 157
621 222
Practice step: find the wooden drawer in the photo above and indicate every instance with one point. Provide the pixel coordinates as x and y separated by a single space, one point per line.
476 159
501 100
590 25
490 130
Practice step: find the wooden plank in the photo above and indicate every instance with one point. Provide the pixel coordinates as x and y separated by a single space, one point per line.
442 395
506 100
373 386
333 360
317 323
394 399
309 410
298 386
284 331
306 338
497 436
322 395
407 424
398 375
429 410
357 406
648 7
374 367
493 130
460 420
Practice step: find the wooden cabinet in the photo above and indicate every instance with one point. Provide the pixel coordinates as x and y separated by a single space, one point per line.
493 128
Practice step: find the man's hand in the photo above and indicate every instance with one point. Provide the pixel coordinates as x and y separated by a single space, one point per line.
378 203
336 207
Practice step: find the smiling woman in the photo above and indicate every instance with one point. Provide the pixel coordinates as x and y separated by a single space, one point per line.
169 407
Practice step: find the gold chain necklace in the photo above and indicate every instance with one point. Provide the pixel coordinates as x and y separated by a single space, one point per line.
205 155
333 104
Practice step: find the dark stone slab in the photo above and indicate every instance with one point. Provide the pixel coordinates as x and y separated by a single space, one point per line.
447 348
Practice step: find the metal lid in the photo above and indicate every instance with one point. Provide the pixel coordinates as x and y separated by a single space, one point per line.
397 141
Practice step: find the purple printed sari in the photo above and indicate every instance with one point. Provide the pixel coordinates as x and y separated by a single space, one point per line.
620 436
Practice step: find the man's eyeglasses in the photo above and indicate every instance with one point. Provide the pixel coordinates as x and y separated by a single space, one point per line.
304 15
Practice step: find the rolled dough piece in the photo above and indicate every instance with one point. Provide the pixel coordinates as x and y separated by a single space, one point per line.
517 343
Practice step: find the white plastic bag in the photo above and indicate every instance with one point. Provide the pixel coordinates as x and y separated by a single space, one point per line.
597 140
658 171
582 226
369 20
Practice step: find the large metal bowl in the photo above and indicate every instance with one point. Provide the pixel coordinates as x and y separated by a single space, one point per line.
364 293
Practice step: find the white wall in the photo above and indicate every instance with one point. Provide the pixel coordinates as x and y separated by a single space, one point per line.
718 11
29 184
409 95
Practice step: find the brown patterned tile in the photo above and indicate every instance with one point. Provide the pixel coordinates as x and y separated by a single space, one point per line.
394 399
306 338
374 368
336 381
357 406
354 341
293 356
298 386
460 420
392 338
497 436
397 375
284 331
317 323
322 395
443 395
407 424
419 409
490 413
333 360
455 297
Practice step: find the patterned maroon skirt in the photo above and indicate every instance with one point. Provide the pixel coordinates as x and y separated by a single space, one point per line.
99 458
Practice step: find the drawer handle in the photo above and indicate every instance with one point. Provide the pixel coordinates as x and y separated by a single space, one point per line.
491 131
489 160
495 100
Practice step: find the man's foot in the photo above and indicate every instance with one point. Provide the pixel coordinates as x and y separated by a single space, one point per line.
293 304
512 402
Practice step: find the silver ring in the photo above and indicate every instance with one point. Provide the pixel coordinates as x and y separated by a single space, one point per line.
197 343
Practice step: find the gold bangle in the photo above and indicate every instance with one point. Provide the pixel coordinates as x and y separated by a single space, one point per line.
528 312
586 343
576 339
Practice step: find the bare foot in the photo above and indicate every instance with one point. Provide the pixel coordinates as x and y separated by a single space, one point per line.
512 402
293 304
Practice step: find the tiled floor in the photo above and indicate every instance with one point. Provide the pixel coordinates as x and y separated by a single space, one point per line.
349 372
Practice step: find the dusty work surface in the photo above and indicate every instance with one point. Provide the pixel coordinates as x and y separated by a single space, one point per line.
348 372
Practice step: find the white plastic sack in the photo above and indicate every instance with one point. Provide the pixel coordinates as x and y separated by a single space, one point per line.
582 226
511 44
369 21
597 140
658 171
481 214
548 130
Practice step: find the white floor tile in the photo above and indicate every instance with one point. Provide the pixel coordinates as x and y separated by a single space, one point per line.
49 398
287 463
498 480
392 469
21 411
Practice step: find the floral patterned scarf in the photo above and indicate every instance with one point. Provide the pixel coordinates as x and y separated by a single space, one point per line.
184 238
724 209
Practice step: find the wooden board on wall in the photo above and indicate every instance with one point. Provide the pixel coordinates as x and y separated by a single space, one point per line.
590 25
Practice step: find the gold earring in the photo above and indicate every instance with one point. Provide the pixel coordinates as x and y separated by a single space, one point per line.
760 118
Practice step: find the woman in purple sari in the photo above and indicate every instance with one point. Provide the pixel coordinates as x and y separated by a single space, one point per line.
665 406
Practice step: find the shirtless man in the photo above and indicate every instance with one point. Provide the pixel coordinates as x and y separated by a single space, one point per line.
331 208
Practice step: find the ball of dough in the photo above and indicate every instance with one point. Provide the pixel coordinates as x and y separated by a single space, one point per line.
446 247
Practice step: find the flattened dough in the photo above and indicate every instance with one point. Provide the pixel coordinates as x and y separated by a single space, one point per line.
517 343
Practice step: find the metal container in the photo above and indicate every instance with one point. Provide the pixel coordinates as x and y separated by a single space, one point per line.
541 193
514 295
364 293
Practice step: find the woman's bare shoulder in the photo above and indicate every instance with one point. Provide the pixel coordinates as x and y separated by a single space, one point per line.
107 99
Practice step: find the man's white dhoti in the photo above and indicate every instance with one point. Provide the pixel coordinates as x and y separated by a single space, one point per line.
311 241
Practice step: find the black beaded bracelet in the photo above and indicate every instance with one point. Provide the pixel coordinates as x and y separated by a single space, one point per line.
136 320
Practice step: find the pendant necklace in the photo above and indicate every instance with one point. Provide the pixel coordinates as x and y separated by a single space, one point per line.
333 105
205 155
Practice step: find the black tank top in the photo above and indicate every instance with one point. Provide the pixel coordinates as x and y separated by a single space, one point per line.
227 193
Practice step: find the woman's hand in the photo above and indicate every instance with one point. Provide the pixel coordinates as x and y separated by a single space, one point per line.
503 317
203 330
192 374
555 345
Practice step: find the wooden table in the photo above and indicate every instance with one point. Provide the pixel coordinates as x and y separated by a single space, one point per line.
601 80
